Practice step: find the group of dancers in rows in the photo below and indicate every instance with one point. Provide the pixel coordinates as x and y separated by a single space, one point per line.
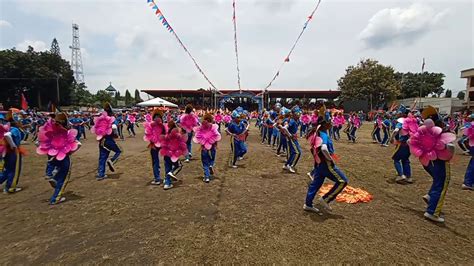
170 135
426 134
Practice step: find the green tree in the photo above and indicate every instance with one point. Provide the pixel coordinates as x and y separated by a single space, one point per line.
461 95
128 99
448 94
414 84
81 96
36 74
369 80
102 97
138 99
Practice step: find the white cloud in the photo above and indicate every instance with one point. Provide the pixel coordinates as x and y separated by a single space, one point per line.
5 24
400 25
37 45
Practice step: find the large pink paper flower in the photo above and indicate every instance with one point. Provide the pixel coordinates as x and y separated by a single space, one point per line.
218 118
188 122
227 119
470 134
207 135
3 148
173 145
314 119
103 125
153 132
148 118
305 119
132 118
57 141
429 143
410 126
315 142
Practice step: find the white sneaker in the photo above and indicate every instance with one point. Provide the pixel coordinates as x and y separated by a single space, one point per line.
384 145
18 189
325 204
234 166
286 167
434 218
156 183
187 160
426 199
400 179
61 200
166 187
310 209
464 187
409 180
240 158
173 176
206 180
291 170
310 176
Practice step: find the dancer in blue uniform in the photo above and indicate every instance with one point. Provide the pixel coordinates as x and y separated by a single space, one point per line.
106 145
290 129
13 159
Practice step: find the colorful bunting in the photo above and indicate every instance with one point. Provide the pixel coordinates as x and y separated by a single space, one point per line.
165 23
287 58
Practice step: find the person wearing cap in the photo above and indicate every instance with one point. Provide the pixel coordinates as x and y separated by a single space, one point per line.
106 145
270 122
236 130
13 158
62 168
324 168
283 140
76 123
439 170
290 129
401 155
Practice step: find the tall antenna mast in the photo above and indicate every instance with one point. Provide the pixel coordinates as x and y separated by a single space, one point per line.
76 58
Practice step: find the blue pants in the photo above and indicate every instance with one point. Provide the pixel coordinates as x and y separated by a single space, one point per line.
401 160
49 166
238 149
189 145
264 134
320 172
294 152
79 132
386 135
171 167
208 157
303 130
62 177
282 143
120 131
351 135
376 135
461 142
106 145
155 162
440 171
269 135
275 132
11 170
131 129
469 177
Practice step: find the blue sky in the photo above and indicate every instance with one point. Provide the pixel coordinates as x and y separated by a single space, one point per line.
125 43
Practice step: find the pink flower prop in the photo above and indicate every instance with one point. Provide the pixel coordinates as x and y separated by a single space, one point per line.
227 119
207 135
315 142
148 118
357 122
410 126
153 132
3 148
103 125
314 119
218 118
305 119
470 134
57 141
173 145
188 122
132 119
429 143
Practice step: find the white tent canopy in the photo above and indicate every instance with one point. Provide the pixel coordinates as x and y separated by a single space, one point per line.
157 102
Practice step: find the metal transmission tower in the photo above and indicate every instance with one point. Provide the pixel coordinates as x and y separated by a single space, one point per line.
76 58
55 48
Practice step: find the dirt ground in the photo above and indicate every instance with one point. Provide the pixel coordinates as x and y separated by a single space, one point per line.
252 214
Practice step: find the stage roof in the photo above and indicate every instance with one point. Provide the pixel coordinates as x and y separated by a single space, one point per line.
274 93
